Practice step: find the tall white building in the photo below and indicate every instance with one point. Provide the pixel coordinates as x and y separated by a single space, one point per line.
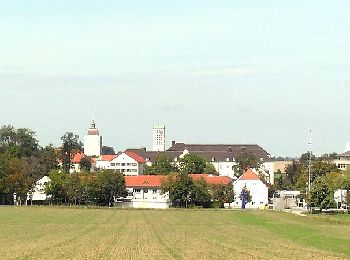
93 141
159 138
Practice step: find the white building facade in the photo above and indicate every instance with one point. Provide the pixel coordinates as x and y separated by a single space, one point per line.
257 189
145 192
128 163
104 162
159 138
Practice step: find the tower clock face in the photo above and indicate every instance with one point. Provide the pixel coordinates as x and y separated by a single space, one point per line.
161 132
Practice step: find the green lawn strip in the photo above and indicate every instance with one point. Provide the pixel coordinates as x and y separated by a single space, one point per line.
303 233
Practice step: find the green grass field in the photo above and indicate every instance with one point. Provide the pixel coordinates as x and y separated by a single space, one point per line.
77 233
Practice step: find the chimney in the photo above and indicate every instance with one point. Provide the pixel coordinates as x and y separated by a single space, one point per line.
173 143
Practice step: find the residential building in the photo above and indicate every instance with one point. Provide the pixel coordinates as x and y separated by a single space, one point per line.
128 163
257 188
145 192
343 160
75 162
104 161
222 156
92 141
340 197
159 138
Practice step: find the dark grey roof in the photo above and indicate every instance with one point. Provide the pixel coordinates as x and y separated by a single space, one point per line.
346 154
213 152
152 155
221 151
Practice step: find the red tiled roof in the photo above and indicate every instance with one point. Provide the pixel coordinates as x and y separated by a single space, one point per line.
135 156
212 179
249 175
107 157
144 181
156 180
77 157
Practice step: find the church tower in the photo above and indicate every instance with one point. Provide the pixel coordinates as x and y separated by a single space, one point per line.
159 138
92 141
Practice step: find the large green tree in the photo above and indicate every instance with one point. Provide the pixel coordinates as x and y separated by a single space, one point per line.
222 194
70 145
21 142
245 161
321 195
162 165
85 163
111 185
180 187
193 163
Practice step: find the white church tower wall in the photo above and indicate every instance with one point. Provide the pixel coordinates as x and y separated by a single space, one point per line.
92 141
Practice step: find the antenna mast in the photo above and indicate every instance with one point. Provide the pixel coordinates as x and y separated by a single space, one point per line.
309 168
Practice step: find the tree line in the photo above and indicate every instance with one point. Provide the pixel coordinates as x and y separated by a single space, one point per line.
100 188
325 179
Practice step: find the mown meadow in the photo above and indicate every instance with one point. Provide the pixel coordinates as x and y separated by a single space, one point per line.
109 233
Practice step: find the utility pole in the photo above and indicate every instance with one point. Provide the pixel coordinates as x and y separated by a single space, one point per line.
309 169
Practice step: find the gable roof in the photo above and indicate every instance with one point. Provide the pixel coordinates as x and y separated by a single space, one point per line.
135 156
151 181
107 157
152 155
249 175
77 157
212 179
221 150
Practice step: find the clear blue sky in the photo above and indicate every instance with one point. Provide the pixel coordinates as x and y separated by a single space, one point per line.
212 71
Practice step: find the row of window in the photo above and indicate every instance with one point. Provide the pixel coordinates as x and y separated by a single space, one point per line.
145 191
128 170
343 166
123 164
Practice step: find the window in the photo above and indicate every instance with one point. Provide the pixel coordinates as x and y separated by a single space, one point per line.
123 164
227 159
213 159
134 164
137 190
117 164
112 164
154 191
145 191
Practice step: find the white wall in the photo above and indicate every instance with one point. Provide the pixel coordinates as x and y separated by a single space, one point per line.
103 165
92 145
127 165
148 198
258 191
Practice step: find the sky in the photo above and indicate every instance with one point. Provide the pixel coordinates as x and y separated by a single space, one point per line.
244 71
